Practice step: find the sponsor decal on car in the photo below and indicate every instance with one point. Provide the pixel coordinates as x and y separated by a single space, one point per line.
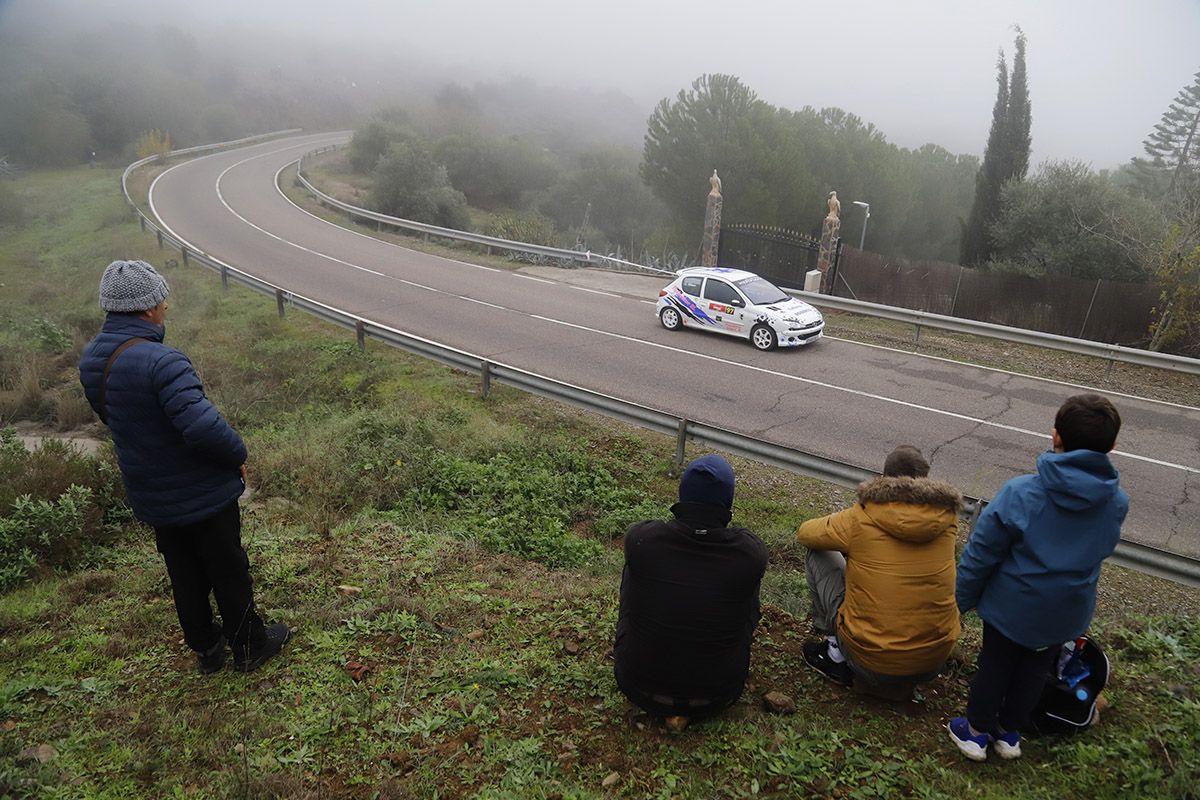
689 307
720 309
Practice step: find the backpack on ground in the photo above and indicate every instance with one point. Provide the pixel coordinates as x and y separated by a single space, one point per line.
1068 701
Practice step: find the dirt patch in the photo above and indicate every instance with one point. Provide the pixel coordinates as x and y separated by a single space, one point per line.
33 435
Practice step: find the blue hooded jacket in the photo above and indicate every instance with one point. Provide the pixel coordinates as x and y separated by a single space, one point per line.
1033 560
179 458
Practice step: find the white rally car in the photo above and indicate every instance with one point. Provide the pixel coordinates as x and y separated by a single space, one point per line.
737 303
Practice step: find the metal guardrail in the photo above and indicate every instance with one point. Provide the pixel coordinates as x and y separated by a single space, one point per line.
491 242
1086 347
1130 554
1109 352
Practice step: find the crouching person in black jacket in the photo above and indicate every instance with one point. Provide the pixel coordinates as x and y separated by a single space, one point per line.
183 465
689 602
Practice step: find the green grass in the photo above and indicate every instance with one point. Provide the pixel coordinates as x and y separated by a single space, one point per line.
484 537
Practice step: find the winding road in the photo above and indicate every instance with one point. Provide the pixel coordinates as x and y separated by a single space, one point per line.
838 399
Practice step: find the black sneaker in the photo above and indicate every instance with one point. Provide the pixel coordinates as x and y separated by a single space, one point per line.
212 659
248 659
816 654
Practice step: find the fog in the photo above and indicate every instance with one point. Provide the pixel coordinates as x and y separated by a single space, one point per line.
1101 72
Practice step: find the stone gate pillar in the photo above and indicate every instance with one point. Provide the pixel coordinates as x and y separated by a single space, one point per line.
829 237
712 224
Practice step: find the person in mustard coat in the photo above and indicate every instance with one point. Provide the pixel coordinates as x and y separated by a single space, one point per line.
881 578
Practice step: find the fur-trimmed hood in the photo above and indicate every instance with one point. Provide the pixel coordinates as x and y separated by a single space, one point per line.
909 509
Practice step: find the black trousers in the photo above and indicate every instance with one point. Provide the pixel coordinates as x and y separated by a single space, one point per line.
206 558
657 705
1008 681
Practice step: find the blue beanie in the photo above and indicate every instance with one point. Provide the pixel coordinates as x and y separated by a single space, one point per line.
708 480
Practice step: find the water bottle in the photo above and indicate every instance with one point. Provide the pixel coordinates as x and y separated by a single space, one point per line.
1071 669
1082 694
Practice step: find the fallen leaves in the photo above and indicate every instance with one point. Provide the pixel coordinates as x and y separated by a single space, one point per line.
357 670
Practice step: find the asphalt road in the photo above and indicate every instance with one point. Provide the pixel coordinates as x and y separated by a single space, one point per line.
838 399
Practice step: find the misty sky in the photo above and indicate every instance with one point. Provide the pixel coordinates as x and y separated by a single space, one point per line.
1101 72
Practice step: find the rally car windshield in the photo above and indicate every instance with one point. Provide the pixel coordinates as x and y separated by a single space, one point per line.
761 292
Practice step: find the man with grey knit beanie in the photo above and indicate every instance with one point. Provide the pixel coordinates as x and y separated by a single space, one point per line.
183 466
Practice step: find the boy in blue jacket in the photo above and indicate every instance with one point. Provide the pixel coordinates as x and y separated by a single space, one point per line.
1030 570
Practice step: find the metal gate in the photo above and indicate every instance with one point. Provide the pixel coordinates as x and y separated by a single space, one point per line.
780 255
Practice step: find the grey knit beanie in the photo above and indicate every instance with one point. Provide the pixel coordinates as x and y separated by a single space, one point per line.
128 287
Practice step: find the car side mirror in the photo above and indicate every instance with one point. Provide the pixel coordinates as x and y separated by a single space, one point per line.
737 303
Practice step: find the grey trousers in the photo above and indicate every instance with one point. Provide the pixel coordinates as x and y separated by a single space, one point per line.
825 571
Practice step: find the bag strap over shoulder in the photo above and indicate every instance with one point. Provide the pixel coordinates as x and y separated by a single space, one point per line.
104 378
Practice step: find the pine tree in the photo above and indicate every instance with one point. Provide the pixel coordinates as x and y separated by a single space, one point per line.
1173 146
1006 157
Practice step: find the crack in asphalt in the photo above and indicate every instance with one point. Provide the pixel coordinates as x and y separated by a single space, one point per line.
1176 521
934 452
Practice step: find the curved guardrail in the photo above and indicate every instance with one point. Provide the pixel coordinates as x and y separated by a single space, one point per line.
1130 554
920 319
558 253
1086 347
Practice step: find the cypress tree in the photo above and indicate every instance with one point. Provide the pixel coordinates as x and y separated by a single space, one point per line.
1006 157
1017 124
976 246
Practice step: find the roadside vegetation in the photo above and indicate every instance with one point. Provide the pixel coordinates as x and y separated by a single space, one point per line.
450 566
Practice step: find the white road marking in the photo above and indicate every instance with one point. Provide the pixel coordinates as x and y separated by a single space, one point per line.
483 303
855 392
704 356
593 291
1055 381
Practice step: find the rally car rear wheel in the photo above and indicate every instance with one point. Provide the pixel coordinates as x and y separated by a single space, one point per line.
670 319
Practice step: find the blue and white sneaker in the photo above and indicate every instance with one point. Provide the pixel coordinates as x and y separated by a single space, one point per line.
1007 745
972 746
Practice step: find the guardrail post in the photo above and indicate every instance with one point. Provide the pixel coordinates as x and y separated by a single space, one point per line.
224 277
425 236
184 252
680 443
975 512
917 339
360 333
279 301
485 377
142 221
160 243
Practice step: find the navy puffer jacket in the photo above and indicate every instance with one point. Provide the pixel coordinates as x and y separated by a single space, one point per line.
179 458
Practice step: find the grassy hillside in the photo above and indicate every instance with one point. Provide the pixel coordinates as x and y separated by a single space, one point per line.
450 567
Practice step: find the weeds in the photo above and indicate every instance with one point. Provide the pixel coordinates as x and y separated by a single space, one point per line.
487 672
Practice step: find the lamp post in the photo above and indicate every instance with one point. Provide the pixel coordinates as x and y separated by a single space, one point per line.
865 207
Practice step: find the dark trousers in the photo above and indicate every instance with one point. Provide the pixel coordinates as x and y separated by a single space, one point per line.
1008 681
659 705
205 558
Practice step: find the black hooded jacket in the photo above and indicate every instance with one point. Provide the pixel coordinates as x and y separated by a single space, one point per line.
689 604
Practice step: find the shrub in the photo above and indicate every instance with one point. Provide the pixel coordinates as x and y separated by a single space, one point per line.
47 337
547 505
371 141
154 143
411 185
531 228
40 531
